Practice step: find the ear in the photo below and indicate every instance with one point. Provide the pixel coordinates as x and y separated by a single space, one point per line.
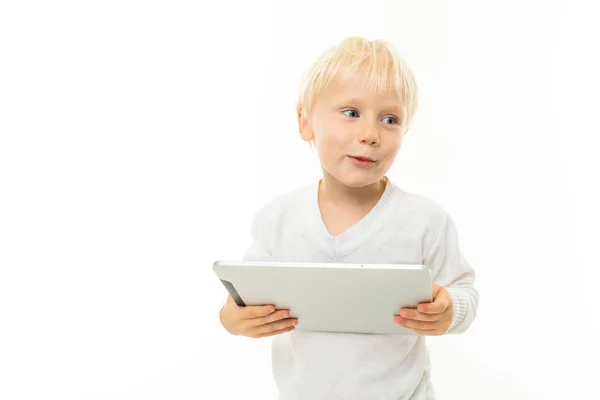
304 126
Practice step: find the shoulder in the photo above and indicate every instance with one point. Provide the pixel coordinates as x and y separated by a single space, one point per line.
424 217
422 209
291 201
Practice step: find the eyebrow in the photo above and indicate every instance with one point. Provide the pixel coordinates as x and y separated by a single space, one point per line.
358 101
396 109
352 100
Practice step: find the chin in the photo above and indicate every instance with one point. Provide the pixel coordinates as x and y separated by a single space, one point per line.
360 181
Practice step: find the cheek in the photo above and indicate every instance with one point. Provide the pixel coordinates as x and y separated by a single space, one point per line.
392 145
336 142
332 140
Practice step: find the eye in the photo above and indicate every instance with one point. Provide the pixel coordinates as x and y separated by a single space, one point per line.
391 120
351 113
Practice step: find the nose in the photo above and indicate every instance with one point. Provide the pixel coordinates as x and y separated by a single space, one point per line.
369 136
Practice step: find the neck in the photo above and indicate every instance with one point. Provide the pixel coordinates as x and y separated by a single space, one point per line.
331 189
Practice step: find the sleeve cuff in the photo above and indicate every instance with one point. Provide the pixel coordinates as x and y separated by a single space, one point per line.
459 302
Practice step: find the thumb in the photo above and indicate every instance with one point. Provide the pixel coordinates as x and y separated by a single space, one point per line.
436 289
257 311
438 304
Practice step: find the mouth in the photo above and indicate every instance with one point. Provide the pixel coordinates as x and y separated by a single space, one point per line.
362 161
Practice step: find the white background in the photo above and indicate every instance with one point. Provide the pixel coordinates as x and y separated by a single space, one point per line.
137 139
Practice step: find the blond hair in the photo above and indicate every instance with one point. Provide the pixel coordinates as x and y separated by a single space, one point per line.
374 63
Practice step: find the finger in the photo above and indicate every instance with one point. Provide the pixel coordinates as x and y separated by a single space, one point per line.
436 289
250 312
436 332
418 316
275 316
417 325
438 306
274 326
278 332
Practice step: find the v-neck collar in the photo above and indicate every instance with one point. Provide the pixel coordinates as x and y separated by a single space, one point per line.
339 245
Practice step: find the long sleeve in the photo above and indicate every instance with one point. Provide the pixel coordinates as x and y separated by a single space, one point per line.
258 249
451 270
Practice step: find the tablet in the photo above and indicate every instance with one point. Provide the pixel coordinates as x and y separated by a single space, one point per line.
328 297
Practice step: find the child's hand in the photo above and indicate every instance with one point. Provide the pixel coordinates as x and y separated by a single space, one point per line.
432 319
255 321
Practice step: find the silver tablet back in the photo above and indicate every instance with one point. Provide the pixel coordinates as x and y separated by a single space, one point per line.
352 298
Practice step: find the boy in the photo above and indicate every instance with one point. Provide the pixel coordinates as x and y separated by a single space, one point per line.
356 104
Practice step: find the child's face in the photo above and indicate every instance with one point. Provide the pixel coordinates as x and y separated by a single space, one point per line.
350 122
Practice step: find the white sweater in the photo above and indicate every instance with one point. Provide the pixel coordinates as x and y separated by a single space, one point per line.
401 228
